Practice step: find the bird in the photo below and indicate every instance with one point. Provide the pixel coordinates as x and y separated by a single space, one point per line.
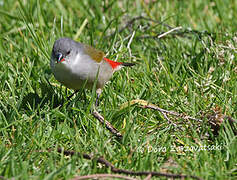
77 65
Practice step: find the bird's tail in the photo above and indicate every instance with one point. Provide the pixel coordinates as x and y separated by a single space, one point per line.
117 65
128 64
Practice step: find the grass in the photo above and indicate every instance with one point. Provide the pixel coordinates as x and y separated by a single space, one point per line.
194 74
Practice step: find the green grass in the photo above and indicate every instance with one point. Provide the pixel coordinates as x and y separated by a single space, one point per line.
194 74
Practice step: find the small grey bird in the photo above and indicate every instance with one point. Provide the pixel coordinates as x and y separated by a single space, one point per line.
77 65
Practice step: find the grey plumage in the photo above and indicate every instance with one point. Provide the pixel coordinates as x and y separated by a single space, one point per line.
74 64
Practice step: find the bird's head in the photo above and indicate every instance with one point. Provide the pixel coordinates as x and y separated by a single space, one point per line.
63 48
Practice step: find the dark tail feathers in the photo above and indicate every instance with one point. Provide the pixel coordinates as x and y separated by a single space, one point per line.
128 64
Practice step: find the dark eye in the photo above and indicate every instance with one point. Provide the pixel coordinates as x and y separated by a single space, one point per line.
68 52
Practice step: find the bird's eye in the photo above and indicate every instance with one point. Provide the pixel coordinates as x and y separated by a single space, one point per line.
68 52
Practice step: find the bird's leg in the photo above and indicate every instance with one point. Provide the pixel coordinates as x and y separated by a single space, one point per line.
98 93
101 119
69 97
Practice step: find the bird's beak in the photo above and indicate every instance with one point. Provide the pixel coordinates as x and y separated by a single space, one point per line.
59 58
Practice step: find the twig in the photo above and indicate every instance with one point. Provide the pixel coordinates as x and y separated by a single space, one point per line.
122 171
181 34
165 112
166 117
132 21
171 112
92 176
113 130
129 23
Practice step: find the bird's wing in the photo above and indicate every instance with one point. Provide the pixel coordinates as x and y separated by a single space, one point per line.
95 54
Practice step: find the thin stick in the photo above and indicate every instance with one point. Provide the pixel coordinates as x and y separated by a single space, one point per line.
122 171
112 129
183 33
166 117
171 112
92 176
132 21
